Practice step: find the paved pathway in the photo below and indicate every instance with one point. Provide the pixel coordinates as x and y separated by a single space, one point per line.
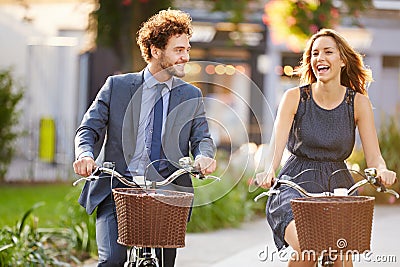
252 245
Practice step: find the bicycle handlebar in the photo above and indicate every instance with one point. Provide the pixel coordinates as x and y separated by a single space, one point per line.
186 166
369 178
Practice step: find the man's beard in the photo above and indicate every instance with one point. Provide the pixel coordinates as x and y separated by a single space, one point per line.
170 69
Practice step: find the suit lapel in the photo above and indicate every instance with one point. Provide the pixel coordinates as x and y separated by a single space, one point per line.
136 103
132 115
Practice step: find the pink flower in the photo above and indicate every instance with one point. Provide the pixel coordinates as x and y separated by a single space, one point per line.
265 19
361 190
313 28
334 13
291 21
126 2
392 199
300 4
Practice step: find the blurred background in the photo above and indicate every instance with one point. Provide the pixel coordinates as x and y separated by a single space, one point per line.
56 54
243 56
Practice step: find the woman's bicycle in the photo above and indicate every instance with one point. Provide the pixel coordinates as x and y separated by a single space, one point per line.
332 225
149 217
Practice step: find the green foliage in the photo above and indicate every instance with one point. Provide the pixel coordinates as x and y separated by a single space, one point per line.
25 244
389 142
237 9
19 197
10 96
82 225
115 23
227 203
293 22
67 226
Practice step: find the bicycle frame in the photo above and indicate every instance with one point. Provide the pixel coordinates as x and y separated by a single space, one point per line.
139 256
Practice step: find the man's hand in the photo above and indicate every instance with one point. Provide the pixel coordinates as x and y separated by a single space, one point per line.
205 164
84 166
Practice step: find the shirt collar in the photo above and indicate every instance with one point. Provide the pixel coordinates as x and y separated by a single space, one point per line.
150 81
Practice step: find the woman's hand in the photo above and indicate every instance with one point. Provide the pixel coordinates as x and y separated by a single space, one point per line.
387 177
265 179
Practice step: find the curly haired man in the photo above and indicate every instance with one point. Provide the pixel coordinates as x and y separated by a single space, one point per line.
124 125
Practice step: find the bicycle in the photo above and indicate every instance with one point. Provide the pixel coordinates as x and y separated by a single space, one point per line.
149 217
319 217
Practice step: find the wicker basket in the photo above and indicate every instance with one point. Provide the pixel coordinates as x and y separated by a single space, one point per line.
334 224
152 218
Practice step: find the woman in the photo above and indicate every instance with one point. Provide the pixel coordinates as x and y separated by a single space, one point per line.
317 122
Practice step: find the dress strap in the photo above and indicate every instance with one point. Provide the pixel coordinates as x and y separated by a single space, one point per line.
305 92
350 93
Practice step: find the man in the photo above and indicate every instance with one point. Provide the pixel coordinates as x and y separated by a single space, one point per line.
123 122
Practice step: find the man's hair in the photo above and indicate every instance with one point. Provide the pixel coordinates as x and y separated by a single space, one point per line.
160 27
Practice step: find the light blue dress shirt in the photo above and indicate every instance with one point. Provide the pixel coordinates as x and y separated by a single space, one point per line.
140 159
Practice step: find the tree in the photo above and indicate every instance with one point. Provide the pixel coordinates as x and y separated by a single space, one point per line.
10 96
116 22
237 9
293 21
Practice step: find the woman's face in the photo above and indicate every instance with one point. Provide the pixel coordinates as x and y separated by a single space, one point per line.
326 62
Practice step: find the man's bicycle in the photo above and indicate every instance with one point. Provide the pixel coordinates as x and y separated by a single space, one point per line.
149 217
332 225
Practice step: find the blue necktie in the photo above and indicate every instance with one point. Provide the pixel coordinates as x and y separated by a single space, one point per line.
155 152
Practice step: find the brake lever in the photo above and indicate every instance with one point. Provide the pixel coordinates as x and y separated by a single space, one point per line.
94 176
371 174
383 189
272 191
391 191
379 186
199 175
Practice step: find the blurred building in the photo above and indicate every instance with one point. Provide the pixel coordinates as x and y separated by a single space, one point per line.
41 41
225 65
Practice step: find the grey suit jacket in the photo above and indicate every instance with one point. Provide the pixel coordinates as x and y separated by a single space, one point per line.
109 130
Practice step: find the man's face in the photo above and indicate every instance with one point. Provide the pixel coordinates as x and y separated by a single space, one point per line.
175 55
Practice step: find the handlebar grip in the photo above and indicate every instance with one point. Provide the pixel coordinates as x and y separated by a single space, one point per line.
198 174
255 182
379 184
96 172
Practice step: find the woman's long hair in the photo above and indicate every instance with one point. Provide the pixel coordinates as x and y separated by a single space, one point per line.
354 74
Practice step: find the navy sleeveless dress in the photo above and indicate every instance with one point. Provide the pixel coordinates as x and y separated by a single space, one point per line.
320 140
